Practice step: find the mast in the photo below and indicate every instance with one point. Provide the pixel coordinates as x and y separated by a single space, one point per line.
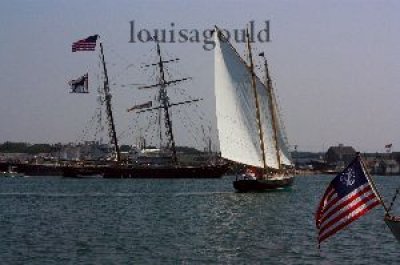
164 99
111 130
258 116
272 107
165 104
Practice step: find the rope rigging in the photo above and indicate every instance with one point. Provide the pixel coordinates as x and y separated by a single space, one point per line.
393 199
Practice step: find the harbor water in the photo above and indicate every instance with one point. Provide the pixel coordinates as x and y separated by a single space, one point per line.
54 220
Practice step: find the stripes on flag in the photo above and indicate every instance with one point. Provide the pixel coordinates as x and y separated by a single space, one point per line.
88 44
347 198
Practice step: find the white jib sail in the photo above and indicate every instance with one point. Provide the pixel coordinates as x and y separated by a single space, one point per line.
236 111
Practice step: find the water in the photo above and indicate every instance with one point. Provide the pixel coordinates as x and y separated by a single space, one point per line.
51 220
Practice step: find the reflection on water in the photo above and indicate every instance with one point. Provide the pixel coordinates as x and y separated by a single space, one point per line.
55 220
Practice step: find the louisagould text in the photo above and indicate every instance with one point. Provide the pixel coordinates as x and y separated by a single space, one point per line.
205 36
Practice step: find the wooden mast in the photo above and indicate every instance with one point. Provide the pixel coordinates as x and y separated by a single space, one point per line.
165 103
111 130
164 99
258 115
272 109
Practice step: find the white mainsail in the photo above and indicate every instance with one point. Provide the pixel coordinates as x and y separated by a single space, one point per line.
238 130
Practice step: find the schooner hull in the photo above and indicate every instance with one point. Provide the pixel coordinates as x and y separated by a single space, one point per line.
248 185
394 224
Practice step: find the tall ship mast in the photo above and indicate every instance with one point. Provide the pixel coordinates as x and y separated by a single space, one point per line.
249 129
80 85
110 119
176 168
164 102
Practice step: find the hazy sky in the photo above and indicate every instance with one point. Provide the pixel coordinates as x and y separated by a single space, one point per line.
335 65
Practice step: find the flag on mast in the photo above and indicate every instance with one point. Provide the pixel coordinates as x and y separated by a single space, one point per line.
88 44
79 85
388 148
348 197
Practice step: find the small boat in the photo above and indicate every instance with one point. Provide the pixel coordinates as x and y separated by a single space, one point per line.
260 185
11 173
393 222
250 129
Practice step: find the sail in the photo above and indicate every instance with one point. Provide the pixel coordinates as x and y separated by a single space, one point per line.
238 130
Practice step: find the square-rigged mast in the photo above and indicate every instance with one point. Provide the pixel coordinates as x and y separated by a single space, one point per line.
165 104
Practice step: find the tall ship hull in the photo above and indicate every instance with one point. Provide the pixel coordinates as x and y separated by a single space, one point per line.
82 171
203 171
39 169
126 171
162 107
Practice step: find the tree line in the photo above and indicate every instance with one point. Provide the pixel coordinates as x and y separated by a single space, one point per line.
28 148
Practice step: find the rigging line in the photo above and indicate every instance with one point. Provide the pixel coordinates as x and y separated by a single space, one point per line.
190 126
122 58
199 111
196 131
148 57
121 136
150 119
117 75
393 199
134 127
191 121
280 118
136 130
87 126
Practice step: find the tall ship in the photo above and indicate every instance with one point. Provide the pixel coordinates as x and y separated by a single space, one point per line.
171 166
250 129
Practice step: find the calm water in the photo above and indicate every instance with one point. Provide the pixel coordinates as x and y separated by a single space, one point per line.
99 221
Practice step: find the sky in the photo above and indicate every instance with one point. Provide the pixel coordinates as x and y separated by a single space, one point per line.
334 65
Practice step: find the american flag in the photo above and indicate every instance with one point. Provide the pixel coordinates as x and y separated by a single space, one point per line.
88 44
347 198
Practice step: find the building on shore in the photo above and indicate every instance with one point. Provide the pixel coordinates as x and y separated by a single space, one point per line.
383 163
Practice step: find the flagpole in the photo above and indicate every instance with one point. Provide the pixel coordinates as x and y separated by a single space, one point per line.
372 183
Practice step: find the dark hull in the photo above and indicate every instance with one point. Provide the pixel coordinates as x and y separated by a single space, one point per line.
82 172
123 171
205 171
394 224
39 170
248 185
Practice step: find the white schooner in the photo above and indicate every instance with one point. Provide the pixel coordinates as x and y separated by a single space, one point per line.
250 130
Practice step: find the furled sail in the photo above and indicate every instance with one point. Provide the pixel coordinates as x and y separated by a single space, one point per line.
238 130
